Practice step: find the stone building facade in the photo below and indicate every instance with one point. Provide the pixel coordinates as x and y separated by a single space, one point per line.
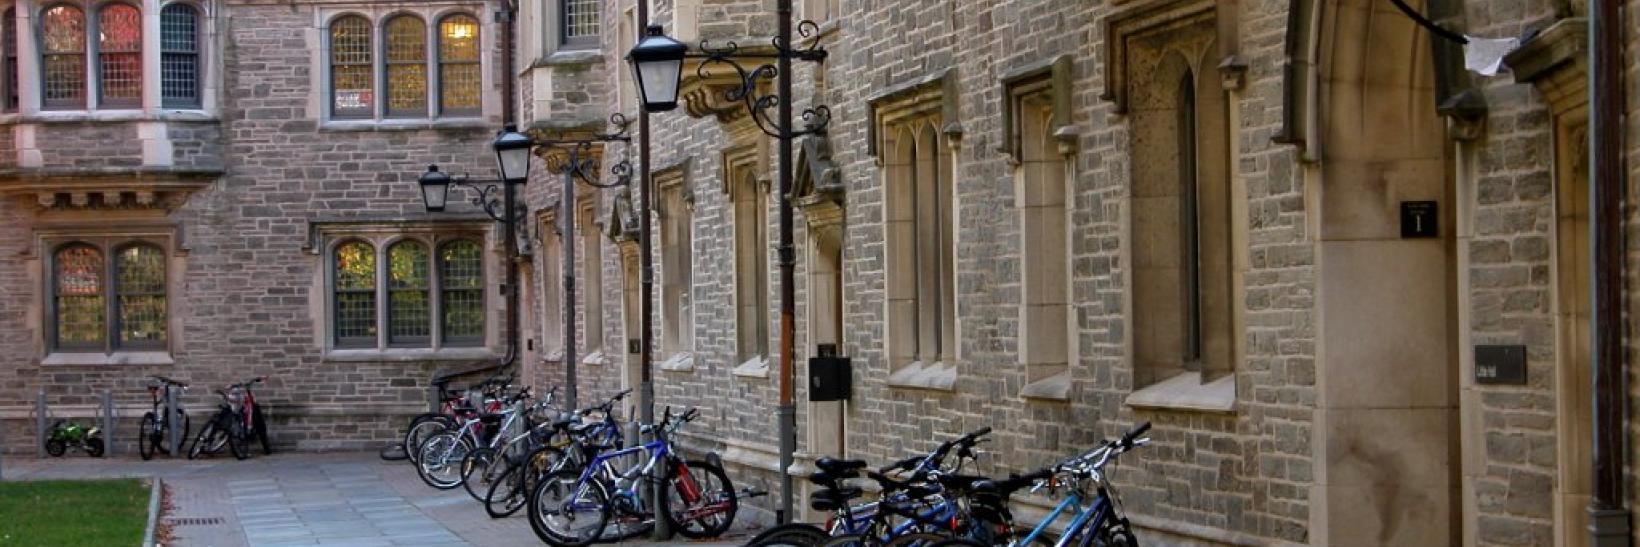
1054 218
1061 218
180 195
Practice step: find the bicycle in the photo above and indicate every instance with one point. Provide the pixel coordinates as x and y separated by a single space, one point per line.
478 469
442 455
567 443
237 418
858 524
156 423
1100 521
574 508
456 407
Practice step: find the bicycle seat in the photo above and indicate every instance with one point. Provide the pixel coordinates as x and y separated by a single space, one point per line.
839 467
831 499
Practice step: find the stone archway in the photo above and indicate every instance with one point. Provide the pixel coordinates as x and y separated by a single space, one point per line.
1386 378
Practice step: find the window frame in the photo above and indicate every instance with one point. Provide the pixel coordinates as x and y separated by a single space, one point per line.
436 63
432 17
11 98
429 285
108 246
97 57
83 101
565 41
445 339
198 54
386 75
381 243
353 113
116 317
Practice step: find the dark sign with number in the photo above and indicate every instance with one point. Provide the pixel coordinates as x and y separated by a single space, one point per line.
1419 219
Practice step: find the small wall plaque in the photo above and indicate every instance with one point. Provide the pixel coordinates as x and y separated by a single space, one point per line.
1503 365
1419 219
826 350
634 345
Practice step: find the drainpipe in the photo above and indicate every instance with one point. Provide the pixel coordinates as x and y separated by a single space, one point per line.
1608 518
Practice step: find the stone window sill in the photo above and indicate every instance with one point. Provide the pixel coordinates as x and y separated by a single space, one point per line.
938 375
553 356
414 124
1052 388
409 354
680 362
120 115
756 367
1187 392
595 358
65 359
570 58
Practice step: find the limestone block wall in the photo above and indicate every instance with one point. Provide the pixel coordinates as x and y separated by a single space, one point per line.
248 295
1221 476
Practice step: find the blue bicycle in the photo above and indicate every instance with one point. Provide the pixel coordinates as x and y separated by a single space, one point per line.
1097 520
606 500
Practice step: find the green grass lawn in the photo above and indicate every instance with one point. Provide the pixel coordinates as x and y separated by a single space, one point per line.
71 513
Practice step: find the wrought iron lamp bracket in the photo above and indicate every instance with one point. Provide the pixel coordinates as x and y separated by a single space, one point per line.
581 164
758 105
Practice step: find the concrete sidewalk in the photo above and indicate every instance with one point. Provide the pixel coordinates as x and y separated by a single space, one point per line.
353 499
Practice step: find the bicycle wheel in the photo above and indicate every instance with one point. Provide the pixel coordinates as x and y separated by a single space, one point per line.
475 472
972 543
791 534
700 500
239 440
564 512
259 425
510 491
851 540
440 463
500 501
147 436
422 427
210 439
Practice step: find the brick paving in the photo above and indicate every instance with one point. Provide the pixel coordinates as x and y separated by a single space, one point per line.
352 499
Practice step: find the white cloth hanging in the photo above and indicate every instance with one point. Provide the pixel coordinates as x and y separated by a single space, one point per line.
1484 56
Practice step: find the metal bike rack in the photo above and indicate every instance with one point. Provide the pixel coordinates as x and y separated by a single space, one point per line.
173 421
40 424
108 422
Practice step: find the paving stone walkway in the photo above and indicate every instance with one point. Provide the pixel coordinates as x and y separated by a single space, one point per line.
342 499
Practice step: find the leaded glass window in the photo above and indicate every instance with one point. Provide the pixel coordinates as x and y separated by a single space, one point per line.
179 56
352 80
8 37
355 299
62 57
406 38
409 306
140 295
461 289
119 55
458 65
80 311
580 21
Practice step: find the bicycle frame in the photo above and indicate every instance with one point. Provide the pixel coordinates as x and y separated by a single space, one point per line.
1091 517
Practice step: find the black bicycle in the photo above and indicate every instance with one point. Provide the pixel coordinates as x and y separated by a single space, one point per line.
236 420
156 423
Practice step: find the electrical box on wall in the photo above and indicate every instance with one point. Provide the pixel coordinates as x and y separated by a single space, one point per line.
830 377
1500 365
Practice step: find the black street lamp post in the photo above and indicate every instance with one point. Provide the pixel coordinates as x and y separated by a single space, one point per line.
657 63
435 191
497 197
